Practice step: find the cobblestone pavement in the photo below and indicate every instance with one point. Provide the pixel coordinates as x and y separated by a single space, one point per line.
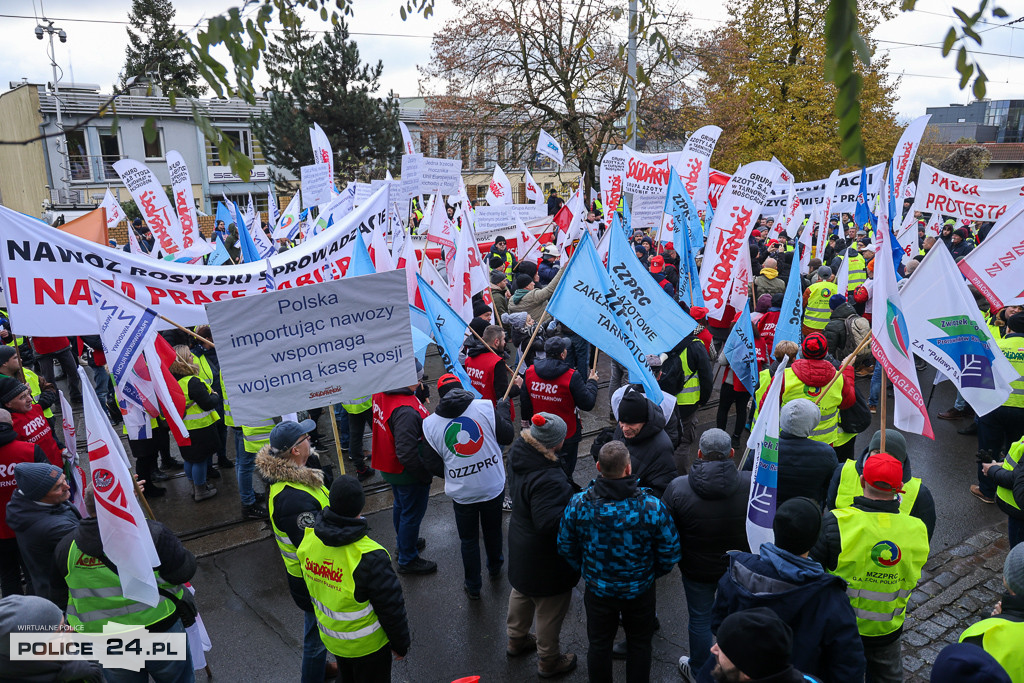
959 586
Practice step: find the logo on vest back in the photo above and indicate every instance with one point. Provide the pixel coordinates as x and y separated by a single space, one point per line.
325 570
463 437
886 554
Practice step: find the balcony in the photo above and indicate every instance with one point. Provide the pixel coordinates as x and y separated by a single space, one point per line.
92 168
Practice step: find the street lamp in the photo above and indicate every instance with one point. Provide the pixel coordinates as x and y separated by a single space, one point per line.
52 31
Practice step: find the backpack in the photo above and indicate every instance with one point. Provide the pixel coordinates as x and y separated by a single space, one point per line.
856 329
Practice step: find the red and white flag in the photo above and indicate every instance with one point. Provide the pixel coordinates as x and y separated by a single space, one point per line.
440 229
533 191
500 190
996 266
405 259
406 139
891 341
115 214
123 528
433 278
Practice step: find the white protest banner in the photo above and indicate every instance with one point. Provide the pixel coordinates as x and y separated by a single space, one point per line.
157 211
115 214
363 192
950 195
549 147
499 191
996 266
47 273
693 164
816 192
181 185
310 347
489 218
730 229
903 156
425 175
646 174
322 152
406 138
316 184
613 170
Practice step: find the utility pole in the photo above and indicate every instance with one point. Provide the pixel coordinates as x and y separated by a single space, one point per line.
631 117
63 180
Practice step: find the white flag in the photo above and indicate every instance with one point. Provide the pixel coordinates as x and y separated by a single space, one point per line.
123 528
428 271
764 479
903 159
550 148
533 191
804 243
156 209
996 266
115 214
287 224
500 190
950 333
843 277
406 139
322 152
440 228
181 186
381 254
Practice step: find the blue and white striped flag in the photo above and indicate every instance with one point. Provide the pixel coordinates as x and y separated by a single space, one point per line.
764 480
268 277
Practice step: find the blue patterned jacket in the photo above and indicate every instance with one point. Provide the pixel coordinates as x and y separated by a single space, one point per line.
620 536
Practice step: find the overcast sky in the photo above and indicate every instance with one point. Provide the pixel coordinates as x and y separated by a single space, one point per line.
95 49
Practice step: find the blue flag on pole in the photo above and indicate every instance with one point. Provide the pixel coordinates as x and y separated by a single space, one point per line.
649 314
449 332
420 333
792 312
619 226
689 276
862 214
360 263
740 352
250 254
685 220
581 304
219 255
224 214
627 218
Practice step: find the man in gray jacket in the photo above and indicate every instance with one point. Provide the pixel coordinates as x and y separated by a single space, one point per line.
40 516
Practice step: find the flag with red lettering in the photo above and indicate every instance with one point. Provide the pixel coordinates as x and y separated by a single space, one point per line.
181 186
123 528
406 139
891 342
115 214
533 191
499 191
157 212
996 266
322 152
903 156
440 229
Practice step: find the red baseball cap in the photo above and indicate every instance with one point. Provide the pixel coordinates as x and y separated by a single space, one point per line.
657 264
755 233
446 379
669 246
884 472
698 313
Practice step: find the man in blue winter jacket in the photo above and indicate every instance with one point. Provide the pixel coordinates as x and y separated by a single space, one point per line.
813 602
622 538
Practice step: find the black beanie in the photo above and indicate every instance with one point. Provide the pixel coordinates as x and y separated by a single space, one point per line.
526 268
6 353
756 641
1016 323
478 325
797 525
10 389
523 280
633 407
480 308
347 497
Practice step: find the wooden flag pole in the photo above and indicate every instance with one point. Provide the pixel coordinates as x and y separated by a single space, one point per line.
536 240
519 365
489 348
846 361
597 354
206 342
337 438
883 415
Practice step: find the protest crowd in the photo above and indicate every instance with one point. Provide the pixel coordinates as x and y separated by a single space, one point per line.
797 553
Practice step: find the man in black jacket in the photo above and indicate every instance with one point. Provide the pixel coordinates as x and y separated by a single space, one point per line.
338 541
553 386
40 517
709 507
755 645
641 426
805 465
541 579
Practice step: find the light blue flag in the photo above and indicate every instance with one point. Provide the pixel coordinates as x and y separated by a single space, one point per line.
649 314
628 219
580 303
449 332
792 312
685 220
689 275
619 226
708 217
224 214
420 333
740 352
250 254
360 263
219 255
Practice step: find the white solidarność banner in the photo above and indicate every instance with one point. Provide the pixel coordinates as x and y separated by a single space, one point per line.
181 186
613 169
815 192
310 347
693 164
46 273
157 212
950 195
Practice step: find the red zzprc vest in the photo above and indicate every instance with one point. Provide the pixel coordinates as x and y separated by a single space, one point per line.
480 369
553 396
384 457
33 428
10 455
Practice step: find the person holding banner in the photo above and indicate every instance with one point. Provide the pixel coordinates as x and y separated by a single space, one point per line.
12 452
201 418
50 349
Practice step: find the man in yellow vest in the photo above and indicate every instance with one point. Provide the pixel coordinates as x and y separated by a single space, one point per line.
916 499
1008 477
1000 428
356 416
1001 635
880 554
296 496
94 598
687 373
354 591
808 377
857 269
816 308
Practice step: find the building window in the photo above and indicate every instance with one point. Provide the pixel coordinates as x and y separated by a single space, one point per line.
155 149
441 145
465 151
110 152
79 168
481 151
481 191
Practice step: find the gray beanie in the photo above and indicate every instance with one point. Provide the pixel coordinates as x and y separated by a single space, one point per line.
547 429
824 272
799 417
895 445
715 442
19 611
35 479
1013 569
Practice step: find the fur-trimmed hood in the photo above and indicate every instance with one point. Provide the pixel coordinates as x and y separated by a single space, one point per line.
536 445
273 469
